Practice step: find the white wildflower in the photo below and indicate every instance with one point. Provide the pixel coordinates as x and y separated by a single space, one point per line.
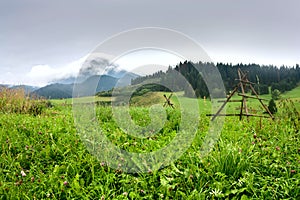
23 173
215 192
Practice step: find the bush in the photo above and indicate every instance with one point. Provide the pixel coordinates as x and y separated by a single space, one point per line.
276 94
17 101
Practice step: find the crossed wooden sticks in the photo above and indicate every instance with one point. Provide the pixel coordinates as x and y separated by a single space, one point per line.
168 101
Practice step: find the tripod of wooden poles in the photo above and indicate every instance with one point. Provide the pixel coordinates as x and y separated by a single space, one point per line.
244 111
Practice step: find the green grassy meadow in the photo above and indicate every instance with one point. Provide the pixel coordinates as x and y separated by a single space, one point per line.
43 157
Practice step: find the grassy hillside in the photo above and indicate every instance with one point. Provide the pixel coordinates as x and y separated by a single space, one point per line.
293 94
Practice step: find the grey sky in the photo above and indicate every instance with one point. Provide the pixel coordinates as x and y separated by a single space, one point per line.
56 33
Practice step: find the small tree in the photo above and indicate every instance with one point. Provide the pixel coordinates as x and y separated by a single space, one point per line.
276 94
272 106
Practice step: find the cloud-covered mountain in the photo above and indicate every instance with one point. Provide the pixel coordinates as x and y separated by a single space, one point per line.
97 66
89 87
95 75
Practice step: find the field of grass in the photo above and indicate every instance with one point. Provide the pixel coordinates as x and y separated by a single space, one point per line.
294 94
82 99
43 157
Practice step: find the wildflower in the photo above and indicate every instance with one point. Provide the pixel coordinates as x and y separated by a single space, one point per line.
254 136
149 171
253 143
23 173
293 171
215 192
32 179
102 164
125 193
142 191
65 182
277 148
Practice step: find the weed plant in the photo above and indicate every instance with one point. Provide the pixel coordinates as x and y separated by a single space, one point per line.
17 101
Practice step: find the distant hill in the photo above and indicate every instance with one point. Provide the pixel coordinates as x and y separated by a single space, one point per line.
88 87
27 88
55 91
3 85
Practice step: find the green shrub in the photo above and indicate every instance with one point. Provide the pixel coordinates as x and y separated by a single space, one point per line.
272 106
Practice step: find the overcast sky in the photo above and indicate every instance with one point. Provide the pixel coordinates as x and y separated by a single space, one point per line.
43 39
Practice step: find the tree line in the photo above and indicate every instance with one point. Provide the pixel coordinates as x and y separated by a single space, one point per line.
282 78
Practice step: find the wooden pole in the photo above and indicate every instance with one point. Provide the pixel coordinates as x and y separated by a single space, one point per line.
244 103
221 108
260 100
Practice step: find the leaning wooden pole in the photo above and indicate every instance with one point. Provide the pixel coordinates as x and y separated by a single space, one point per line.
260 100
242 76
224 104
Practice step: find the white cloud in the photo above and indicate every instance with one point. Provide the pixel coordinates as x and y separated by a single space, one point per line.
41 75
147 61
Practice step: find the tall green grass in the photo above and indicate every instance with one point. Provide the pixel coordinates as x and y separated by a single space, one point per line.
43 157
